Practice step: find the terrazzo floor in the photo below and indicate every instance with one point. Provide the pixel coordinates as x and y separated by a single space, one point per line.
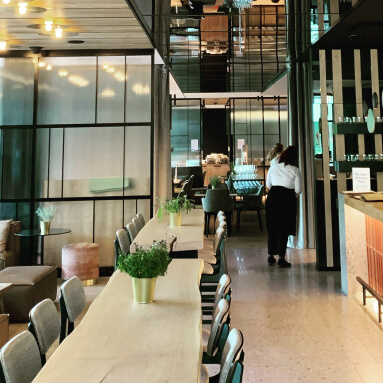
297 325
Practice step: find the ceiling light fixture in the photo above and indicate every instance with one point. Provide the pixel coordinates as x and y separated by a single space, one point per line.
3 45
48 25
58 32
242 4
6 2
49 67
23 7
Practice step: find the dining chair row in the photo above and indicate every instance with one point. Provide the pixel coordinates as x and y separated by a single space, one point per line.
214 255
23 356
125 237
221 346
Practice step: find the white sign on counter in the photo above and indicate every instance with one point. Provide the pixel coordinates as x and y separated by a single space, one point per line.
361 180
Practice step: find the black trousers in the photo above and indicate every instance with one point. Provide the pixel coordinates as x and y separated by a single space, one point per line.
277 243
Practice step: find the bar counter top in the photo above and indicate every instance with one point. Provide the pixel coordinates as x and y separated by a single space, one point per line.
372 209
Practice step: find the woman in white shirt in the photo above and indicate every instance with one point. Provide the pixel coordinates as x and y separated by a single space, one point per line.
284 182
275 153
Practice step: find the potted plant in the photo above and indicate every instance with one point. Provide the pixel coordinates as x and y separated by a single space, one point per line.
144 266
45 213
173 207
215 181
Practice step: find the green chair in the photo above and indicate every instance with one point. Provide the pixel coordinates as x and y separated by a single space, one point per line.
251 202
217 200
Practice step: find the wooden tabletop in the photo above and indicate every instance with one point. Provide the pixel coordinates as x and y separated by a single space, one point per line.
187 237
122 341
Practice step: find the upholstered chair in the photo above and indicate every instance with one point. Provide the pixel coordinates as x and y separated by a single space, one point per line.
72 303
20 359
137 223
231 366
132 231
141 218
123 240
215 201
44 325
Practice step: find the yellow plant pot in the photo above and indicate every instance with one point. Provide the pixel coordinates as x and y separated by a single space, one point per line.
143 289
45 227
175 219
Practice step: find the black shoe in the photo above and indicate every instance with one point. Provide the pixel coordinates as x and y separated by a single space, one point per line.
271 260
283 263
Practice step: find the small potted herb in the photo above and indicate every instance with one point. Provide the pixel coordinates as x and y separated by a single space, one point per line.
144 266
45 213
215 181
173 207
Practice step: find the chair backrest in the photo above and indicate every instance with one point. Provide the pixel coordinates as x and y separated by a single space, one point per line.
232 352
141 218
137 223
20 359
216 200
220 316
72 303
132 231
254 201
223 288
44 325
220 221
73 294
123 240
218 238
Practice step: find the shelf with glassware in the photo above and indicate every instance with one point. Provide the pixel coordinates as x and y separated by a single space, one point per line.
356 128
245 179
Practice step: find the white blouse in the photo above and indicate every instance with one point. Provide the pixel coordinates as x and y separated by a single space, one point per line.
287 176
274 161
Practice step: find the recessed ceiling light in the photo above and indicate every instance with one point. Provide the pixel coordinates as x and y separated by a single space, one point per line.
23 7
48 25
3 45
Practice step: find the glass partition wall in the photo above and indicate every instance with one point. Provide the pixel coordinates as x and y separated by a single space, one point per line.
76 133
258 123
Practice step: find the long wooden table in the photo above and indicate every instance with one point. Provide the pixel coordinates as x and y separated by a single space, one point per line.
186 238
122 341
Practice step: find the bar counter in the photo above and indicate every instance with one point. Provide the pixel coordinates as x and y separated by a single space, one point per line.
361 243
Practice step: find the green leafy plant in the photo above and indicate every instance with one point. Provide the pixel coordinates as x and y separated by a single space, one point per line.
175 205
143 263
46 213
215 181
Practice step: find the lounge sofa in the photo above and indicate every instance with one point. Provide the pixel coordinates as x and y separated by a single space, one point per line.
10 257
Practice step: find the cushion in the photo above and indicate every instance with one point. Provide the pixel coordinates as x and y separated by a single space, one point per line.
25 275
4 231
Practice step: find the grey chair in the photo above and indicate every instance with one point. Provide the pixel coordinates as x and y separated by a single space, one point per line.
210 338
211 255
215 201
251 202
137 223
20 359
141 218
44 326
132 231
123 240
231 366
72 303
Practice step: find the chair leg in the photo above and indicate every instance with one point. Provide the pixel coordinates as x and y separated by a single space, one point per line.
238 219
260 220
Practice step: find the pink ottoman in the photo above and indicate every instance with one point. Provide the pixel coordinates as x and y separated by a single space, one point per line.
81 260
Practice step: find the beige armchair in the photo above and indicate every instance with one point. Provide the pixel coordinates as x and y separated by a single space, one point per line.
10 257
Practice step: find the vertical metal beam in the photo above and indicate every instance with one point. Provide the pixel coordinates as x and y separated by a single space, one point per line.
359 99
338 113
326 158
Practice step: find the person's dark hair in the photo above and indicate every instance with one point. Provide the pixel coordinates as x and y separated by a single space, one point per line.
289 156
